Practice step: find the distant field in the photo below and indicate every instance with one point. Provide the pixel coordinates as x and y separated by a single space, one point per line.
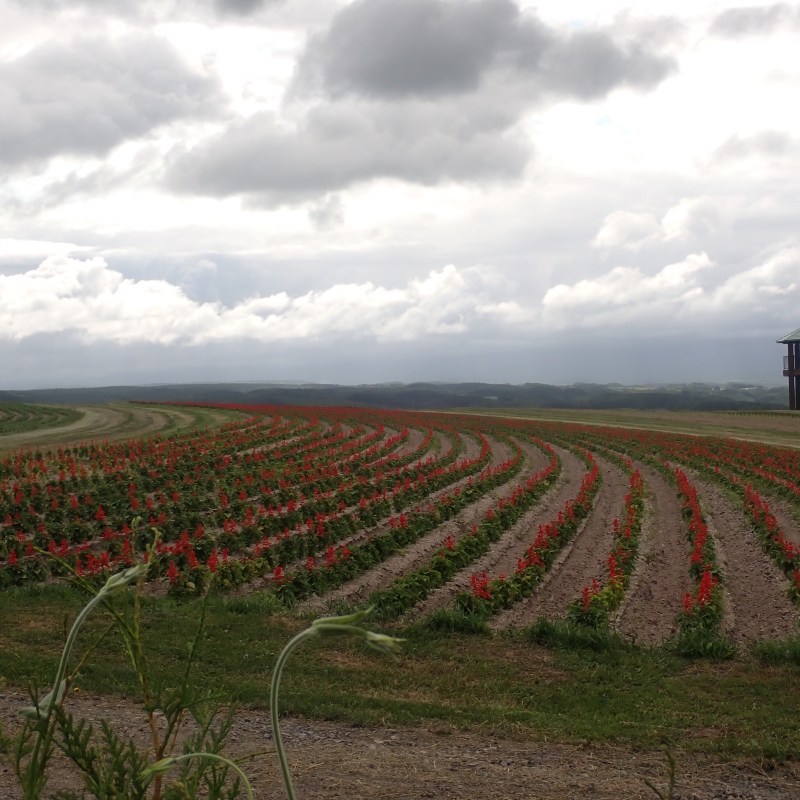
112 422
24 417
770 427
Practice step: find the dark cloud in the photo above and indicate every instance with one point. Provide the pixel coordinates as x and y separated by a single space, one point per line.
89 95
764 144
400 48
243 8
410 47
338 145
755 20
590 64
425 91
152 10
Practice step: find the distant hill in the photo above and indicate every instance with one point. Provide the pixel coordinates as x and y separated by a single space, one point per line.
683 397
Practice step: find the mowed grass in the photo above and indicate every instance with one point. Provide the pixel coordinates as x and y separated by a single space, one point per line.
23 417
116 422
641 698
774 427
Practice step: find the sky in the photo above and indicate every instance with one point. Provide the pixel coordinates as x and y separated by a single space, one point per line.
397 190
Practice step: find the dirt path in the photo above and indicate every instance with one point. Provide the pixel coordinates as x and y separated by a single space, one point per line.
661 579
583 559
334 761
511 546
755 589
419 553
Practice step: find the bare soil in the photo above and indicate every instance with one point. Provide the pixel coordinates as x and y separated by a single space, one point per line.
331 760
788 521
583 559
513 544
420 552
661 579
755 589
500 453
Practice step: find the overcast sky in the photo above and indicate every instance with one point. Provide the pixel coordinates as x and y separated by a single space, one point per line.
381 190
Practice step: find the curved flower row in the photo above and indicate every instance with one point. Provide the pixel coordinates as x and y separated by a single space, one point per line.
491 595
602 598
412 588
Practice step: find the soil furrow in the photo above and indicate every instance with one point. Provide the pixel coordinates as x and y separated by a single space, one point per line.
661 578
511 546
787 520
585 559
500 452
418 554
754 587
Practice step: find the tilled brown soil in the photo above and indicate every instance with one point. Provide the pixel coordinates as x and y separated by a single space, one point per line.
661 578
513 544
332 760
471 451
583 558
788 521
415 439
757 606
420 552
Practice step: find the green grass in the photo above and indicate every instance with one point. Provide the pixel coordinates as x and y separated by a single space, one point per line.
23 417
567 691
113 422
776 428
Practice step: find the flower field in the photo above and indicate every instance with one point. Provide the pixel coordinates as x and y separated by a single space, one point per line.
440 516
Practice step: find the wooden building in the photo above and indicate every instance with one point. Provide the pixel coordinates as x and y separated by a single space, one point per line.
791 366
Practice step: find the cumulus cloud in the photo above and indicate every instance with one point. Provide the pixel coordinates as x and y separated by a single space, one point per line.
336 146
691 216
627 229
400 48
755 20
425 91
770 144
675 294
65 294
97 303
88 95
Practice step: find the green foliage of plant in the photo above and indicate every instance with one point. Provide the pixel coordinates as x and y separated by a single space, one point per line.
573 636
781 651
670 793
704 642
116 770
456 621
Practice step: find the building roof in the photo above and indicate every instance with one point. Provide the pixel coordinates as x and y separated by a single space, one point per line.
790 337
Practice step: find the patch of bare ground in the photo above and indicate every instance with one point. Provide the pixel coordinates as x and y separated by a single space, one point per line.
788 521
331 760
755 589
419 553
661 579
582 559
415 439
511 546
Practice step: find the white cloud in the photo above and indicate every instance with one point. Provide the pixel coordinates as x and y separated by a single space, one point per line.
66 294
676 295
30 248
628 229
625 292
690 216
